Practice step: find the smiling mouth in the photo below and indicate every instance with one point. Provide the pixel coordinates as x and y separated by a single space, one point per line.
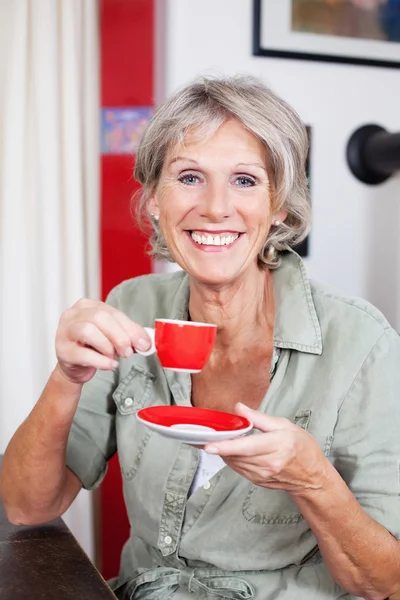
216 239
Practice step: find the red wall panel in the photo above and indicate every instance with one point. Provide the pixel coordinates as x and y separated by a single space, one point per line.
127 81
123 245
127 52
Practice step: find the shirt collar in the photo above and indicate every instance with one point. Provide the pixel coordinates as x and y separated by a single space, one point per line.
296 322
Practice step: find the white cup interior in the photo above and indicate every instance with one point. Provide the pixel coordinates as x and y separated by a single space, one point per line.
191 428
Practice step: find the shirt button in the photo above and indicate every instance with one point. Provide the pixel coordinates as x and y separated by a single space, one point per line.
128 401
207 485
168 540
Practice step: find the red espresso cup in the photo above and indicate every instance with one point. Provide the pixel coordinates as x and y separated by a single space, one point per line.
181 345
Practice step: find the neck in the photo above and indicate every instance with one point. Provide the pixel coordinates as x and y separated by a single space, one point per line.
244 311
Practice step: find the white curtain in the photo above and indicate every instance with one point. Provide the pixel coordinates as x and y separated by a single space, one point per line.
49 196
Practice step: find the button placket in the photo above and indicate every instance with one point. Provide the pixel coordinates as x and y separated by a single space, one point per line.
175 498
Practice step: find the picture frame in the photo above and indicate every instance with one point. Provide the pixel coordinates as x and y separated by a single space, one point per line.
278 33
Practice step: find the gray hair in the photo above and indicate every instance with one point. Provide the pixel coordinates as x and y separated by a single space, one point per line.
204 106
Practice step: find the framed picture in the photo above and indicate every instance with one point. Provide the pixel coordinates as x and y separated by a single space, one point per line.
360 32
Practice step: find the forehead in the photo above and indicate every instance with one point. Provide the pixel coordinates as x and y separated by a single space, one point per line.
231 140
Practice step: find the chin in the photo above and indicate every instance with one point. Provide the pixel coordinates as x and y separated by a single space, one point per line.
214 277
215 269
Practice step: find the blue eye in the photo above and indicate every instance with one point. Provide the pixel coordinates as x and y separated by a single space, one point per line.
188 179
245 181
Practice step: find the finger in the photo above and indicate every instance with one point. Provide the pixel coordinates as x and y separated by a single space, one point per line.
261 421
138 336
253 472
111 327
86 357
87 334
272 462
252 445
240 465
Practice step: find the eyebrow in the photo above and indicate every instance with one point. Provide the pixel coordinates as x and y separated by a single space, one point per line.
256 164
186 159
178 158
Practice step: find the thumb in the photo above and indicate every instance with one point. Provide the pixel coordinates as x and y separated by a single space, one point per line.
261 421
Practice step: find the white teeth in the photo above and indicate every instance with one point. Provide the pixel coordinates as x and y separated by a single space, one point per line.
220 239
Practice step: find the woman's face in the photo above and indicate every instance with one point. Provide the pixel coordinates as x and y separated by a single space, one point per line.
214 205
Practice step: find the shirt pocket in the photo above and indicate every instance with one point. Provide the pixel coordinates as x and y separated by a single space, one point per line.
133 393
263 506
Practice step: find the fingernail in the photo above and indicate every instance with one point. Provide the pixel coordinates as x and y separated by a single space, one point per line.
143 345
128 352
211 449
115 364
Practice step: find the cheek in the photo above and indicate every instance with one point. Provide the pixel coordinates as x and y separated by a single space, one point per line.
174 203
259 215
164 195
173 210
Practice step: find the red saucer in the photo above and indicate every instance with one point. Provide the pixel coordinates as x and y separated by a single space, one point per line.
174 415
194 425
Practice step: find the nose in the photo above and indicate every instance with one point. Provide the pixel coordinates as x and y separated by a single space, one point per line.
216 204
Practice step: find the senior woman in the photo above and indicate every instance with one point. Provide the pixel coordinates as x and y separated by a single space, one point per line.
307 506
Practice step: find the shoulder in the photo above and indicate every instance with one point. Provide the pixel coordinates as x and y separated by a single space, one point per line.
337 324
148 296
361 351
347 319
345 307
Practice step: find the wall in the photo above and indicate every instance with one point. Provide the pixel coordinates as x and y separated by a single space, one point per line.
354 242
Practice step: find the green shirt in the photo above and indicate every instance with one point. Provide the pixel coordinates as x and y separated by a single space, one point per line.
337 376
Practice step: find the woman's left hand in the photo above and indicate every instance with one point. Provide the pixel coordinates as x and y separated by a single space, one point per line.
284 456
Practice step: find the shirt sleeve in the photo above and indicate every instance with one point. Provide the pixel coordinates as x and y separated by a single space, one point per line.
92 439
366 444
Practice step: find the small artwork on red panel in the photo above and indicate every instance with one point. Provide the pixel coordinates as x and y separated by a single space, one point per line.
122 128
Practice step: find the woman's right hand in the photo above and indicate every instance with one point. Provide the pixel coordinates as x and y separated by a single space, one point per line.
91 335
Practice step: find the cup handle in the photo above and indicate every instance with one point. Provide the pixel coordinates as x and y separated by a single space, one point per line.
151 333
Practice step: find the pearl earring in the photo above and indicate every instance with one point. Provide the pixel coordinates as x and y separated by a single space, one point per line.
155 217
277 223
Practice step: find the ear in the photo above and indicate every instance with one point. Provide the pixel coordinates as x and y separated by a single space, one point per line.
152 205
281 215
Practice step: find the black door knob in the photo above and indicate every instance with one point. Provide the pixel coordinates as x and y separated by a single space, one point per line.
373 154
